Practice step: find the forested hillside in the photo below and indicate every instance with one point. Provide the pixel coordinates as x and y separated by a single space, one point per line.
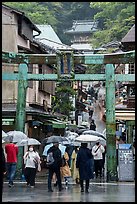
115 18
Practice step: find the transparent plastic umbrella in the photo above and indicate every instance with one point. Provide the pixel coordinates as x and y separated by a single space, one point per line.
4 134
15 136
87 138
75 144
28 141
61 147
53 139
93 132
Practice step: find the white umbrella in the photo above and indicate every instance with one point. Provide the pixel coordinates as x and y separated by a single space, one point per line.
102 141
87 138
15 136
67 142
28 141
71 136
93 132
4 134
75 143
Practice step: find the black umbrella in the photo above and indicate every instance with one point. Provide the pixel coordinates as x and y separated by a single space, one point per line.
54 139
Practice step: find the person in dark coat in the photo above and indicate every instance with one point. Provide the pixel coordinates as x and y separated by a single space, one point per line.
84 164
55 167
92 125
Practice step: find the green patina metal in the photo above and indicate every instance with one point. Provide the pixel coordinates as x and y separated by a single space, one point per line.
77 77
110 123
21 109
109 77
18 58
126 57
124 77
22 90
65 65
90 77
130 125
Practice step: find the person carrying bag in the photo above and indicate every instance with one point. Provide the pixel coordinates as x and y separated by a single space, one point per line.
32 165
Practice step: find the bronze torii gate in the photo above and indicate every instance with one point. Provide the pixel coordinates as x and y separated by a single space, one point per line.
65 62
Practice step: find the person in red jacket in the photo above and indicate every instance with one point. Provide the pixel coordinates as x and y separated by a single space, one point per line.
11 150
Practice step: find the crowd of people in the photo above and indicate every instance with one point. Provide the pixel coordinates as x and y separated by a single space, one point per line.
83 163
82 166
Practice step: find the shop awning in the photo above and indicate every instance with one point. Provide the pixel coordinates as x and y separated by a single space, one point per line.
125 115
55 123
8 121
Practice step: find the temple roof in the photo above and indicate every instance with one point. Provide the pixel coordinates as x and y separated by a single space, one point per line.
130 36
83 26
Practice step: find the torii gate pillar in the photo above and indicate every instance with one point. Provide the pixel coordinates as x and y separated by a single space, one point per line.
111 124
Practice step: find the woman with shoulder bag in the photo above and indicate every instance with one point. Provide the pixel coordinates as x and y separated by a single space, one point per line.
32 163
65 169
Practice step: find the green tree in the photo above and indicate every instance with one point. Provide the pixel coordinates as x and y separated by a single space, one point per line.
37 12
59 15
94 69
61 102
115 19
72 11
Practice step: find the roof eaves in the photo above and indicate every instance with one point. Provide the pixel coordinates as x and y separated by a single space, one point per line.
13 9
23 15
130 36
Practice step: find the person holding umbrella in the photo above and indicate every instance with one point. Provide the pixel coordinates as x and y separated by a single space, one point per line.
31 161
84 164
97 151
55 166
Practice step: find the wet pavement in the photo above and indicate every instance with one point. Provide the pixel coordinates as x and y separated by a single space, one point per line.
99 191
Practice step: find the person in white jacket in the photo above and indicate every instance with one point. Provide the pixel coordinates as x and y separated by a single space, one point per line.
97 151
31 161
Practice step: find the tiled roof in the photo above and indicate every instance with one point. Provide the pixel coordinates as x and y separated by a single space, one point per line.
82 46
49 38
47 32
130 36
83 26
111 44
